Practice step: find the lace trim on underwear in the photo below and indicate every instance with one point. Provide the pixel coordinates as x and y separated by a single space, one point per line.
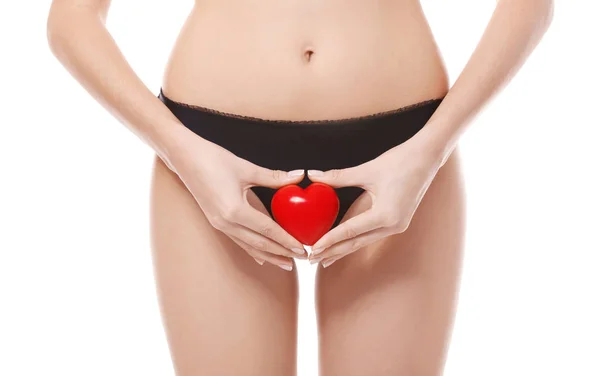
322 121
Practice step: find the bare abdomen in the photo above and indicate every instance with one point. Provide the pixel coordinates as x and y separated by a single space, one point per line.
305 59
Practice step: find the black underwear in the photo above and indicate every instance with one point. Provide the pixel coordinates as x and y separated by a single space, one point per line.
306 144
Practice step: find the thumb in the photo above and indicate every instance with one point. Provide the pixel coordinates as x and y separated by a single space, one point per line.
347 177
275 178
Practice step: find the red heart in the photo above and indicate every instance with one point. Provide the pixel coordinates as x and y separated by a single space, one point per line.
306 214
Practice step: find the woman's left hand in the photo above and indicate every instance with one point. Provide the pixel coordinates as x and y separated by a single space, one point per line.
396 181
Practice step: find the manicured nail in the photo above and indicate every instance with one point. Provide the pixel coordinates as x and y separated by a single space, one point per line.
260 262
316 251
314 261
315 173
298 251
285 267
295 173
328 262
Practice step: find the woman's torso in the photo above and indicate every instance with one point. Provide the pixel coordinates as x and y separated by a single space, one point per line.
251 58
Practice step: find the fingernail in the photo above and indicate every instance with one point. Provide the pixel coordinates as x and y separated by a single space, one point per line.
314 261
315 173
328 262
285 267
298 251
316 251
295 173
260 262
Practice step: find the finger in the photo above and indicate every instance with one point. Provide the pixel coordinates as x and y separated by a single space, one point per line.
248 249
329 261
353 176
272 178
260 242
349 246
353 227
326 262
264 225
280 261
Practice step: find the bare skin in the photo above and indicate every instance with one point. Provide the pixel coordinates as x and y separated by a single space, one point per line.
276 80
365 58
385 308
224 314
388 308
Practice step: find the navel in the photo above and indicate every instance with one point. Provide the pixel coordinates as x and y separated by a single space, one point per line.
308 54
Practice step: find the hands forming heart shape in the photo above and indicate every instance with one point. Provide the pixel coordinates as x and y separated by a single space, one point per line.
306 214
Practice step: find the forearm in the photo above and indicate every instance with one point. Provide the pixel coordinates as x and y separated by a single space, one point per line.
79 39
514 30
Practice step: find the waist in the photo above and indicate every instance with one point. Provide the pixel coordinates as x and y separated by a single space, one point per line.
303 64
321 144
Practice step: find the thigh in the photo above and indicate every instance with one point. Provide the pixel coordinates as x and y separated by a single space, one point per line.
388 308
223 313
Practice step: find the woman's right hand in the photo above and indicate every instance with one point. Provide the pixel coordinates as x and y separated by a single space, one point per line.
219 181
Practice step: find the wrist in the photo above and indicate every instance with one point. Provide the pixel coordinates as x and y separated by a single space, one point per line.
435 142
173 143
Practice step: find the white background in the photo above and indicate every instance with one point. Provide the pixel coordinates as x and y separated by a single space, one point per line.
76 285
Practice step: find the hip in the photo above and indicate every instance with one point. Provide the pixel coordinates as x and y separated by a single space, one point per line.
287 145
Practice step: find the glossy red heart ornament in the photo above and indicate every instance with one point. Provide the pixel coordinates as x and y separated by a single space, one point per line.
306 214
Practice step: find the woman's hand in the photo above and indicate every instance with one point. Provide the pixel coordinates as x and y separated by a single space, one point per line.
220 181
396 181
